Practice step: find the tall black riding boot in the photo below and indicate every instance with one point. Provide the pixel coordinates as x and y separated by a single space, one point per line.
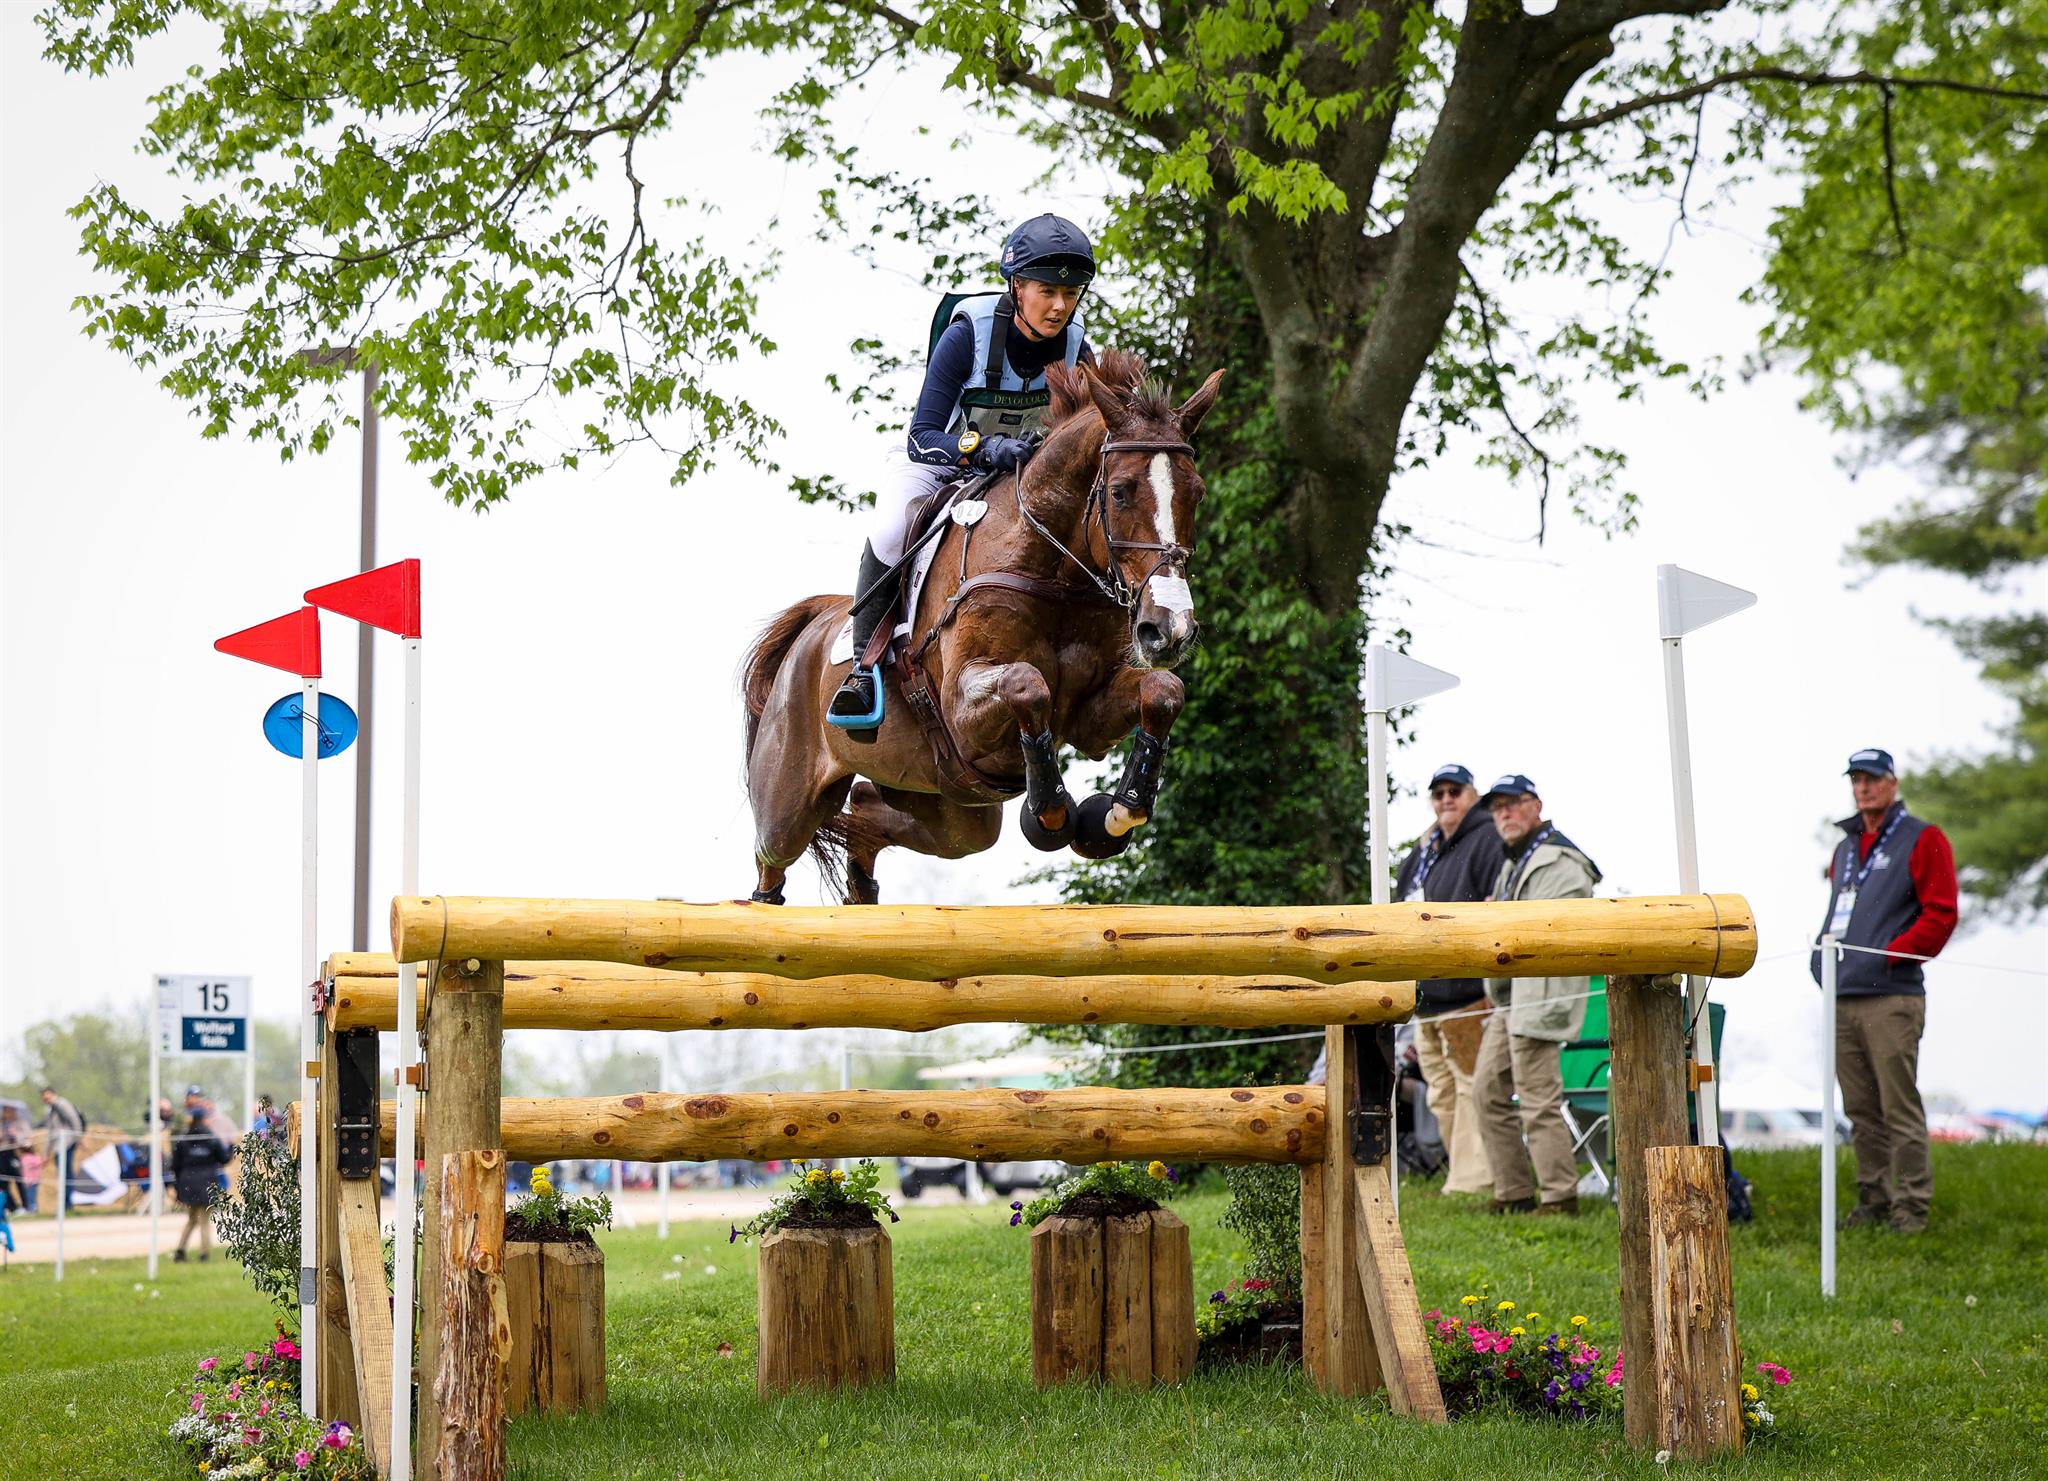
857 707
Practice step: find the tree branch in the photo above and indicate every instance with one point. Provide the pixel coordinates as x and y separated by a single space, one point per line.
1788 74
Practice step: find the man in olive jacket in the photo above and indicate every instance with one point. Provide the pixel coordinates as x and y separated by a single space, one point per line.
1456 860
1519 1084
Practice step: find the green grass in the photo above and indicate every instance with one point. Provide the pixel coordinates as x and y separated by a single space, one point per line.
1900 1376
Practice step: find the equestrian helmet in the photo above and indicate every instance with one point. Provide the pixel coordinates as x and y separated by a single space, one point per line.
1049 249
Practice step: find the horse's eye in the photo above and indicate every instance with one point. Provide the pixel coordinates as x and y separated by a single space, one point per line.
1122 491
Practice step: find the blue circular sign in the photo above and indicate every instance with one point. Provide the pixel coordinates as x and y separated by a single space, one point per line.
284 725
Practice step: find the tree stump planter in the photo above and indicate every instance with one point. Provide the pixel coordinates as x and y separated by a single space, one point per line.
827 1308
1112 1299
554 1299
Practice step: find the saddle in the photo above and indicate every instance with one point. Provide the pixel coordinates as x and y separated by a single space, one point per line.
960 780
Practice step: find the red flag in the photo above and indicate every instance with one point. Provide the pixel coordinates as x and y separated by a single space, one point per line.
290 642
388 597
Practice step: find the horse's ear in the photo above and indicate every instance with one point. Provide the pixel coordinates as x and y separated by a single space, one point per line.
1197 406
1108 400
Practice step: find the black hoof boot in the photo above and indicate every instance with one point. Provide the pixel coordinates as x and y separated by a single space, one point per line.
767 897
861 888
1092 838
1045 791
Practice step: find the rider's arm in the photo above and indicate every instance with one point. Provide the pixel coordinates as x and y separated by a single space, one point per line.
951 364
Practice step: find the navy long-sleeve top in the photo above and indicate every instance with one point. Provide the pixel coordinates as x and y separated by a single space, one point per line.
952 370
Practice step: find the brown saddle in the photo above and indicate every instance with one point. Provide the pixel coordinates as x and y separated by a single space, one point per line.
960 780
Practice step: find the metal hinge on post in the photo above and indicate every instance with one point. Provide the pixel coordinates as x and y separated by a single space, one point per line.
1372 1110
309 1285
355 1103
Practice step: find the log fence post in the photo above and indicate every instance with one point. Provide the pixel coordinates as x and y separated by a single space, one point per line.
1697 1376
463 1057
475 1332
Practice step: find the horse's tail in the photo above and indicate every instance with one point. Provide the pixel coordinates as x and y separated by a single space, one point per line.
764 659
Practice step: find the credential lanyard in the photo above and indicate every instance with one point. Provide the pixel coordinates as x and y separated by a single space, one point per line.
1858 875
1522 864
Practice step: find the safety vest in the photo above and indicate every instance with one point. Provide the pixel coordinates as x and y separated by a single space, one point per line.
1000 402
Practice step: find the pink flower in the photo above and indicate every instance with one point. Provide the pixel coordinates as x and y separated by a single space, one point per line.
303 1459
1432 1315
263 1408
235 1389
1777 1375
1445 1329
1502 1342
249 1361
199 1403
1482 1340
284 1347
252 1437
207 1365
1614 1373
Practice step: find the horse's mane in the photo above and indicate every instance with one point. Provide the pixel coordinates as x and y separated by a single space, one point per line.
1119 369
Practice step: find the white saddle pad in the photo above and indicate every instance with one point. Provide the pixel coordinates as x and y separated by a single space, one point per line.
966 512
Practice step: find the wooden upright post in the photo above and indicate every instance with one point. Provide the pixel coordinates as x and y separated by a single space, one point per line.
1315 1279
1697 1376
463 1053
338 1397
1646 1094
469 1311
1350 1363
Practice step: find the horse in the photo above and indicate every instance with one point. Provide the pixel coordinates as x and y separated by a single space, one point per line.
1054 615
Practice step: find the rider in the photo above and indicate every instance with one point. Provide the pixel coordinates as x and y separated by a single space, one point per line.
984 395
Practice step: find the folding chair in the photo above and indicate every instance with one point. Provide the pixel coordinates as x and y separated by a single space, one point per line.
1585 1063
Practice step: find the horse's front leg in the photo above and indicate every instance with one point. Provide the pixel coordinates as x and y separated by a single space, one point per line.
1149 700
1018 692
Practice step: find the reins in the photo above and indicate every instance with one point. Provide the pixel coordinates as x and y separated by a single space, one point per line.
1115 588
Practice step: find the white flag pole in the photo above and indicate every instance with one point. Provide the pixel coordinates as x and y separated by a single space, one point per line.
309 1048
54 1140
1830 967
1687 601
1392 681
404 1302
156 1125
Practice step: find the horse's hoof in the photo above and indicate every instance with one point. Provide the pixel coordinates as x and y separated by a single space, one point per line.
1092 838
1047 840
861 888
766 897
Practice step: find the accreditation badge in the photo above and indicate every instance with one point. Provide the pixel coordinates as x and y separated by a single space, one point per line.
1845 906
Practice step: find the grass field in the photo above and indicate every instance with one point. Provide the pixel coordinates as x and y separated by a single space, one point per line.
1932 1362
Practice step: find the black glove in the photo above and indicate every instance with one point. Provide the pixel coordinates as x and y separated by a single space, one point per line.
1000 454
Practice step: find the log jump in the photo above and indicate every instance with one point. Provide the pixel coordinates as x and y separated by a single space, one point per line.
498 963
1701 935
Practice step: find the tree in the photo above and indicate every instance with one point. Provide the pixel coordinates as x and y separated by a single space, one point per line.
1906 284
100 1062
1381 179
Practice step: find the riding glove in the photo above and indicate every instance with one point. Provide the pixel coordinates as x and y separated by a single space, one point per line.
1001 454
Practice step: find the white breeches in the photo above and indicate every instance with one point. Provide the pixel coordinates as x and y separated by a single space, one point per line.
900 484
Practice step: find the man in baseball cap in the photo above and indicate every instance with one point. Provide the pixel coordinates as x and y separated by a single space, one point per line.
1519 1084
1897 916
1457 859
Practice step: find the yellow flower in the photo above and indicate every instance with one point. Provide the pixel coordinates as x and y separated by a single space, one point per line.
1749 1392
816 1176
1156 1168
1518 1331
1533 1317
1505 1306
838 1176
1752 1419
1578 1321
1470 1300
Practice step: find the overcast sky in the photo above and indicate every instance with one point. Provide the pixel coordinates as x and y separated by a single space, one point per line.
582 725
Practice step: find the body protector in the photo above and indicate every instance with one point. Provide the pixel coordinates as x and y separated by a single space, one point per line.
998 402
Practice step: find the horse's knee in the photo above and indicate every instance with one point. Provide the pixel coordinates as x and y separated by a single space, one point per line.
1161 697
1023 688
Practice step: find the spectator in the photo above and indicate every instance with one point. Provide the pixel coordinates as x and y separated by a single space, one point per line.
13 1142
1520 1082
63 1130
197 1157
1459 858
1897 915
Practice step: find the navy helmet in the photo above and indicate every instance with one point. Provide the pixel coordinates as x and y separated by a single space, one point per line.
1049 249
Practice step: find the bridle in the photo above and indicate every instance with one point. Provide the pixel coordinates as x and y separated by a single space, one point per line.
1115 587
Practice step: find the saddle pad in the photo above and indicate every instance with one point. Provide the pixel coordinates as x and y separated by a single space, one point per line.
842 646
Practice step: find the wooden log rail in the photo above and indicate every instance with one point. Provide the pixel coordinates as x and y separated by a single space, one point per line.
1272 1123
605 995
1705 935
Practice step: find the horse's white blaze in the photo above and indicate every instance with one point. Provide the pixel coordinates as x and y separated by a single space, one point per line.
1171 592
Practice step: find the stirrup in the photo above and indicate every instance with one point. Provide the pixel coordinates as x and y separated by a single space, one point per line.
873 718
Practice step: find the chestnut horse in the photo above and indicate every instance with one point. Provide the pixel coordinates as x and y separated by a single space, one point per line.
1055 618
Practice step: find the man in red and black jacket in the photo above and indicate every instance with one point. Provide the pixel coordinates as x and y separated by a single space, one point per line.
1892 893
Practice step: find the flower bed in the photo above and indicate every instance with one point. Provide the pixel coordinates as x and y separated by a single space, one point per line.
242 1419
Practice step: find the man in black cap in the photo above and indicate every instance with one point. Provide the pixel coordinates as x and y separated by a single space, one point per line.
1519 1085
1897 916
1458 859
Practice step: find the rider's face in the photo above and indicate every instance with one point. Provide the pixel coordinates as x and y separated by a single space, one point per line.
1044 308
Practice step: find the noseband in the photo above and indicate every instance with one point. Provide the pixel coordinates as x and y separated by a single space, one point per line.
1113 586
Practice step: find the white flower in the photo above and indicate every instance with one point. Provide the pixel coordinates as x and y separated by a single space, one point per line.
1764 1416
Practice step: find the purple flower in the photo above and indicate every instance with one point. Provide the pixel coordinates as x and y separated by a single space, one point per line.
1016 1205
733 1237
1550 1391
1578 1380
1172 1176
1015 1220
1218 1298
